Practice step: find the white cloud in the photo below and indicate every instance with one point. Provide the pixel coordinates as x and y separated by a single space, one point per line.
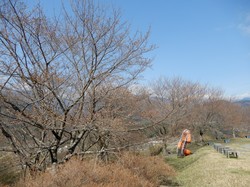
137 89
241 96
244 26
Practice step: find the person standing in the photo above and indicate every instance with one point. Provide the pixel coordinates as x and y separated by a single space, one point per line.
184 140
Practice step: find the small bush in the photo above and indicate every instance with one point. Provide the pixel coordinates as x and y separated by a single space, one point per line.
155 150
151 168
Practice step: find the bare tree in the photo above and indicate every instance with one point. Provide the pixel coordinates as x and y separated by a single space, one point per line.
176 99
233 117
207 116
58 76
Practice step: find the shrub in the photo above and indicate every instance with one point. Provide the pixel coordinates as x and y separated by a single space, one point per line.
155 150
128 170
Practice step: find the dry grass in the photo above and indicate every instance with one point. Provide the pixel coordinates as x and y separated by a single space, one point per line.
129 170
9 169
209 168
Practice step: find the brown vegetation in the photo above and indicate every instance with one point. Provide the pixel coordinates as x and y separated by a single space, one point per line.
128 170
65 92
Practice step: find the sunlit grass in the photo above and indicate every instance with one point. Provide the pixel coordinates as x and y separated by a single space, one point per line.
206 167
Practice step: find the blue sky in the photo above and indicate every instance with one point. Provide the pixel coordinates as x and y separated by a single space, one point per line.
199 40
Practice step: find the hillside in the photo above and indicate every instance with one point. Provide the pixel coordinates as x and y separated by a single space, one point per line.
206 167
245 102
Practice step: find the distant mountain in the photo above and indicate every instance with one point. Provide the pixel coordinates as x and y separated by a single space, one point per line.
245 102
246 99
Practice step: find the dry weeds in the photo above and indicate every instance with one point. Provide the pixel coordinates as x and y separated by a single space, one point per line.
129 170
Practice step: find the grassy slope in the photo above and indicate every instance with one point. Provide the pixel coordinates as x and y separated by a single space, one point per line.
206 167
